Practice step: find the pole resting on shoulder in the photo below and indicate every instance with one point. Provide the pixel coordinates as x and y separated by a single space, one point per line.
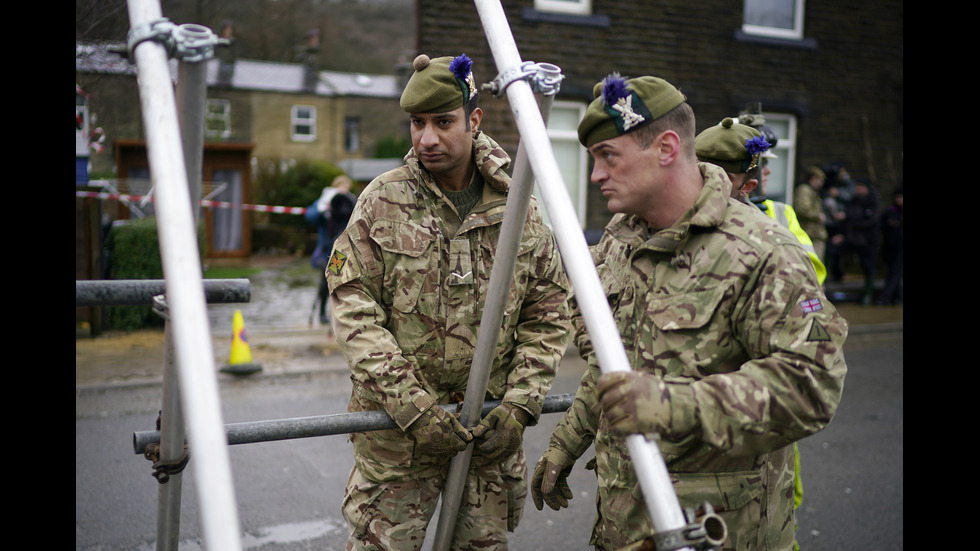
188 42
544 78
705 531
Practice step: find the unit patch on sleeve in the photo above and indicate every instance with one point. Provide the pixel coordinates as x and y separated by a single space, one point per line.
817 332
337 260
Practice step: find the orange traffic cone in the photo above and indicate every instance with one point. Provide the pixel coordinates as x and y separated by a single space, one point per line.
240 362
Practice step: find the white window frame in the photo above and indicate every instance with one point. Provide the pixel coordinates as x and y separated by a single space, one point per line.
580 7
82 134
296 121
785 148
570 135
352 134
217 119
794 33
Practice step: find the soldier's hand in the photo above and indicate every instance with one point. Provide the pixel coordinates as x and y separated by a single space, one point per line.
549 484
437 431
500 434
634 402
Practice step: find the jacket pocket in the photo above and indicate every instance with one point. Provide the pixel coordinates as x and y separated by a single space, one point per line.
403 246
691 310
685 335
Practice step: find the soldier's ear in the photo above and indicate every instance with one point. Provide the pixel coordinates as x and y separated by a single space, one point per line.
476 116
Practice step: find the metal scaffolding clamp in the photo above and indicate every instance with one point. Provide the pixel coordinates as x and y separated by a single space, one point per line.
162 471
705 531
544 78
160 307
187 42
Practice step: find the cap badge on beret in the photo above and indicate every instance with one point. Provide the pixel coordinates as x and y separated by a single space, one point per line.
756 146
439 85
462 68
733 146
619 103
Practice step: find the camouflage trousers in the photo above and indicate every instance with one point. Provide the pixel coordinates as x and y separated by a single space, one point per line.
394 516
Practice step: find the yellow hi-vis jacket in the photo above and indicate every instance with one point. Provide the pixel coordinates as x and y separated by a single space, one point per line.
786 217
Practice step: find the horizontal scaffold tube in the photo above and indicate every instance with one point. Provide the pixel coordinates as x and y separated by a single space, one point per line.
130 292
326 425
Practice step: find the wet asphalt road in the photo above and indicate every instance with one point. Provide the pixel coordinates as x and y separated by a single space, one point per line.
288 492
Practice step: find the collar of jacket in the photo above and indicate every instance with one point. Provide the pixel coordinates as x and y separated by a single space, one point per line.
492 162
708 211
490 159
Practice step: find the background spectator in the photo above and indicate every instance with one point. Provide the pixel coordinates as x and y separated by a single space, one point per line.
892 231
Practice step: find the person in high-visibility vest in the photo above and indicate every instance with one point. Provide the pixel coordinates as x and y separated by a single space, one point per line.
751 187
779 211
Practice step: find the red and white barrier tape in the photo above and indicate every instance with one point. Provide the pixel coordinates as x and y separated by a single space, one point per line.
204 202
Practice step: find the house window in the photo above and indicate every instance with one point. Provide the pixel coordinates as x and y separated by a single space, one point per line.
780 186
774 18
303 123
217 119
81 126
569 153
352 134
581 7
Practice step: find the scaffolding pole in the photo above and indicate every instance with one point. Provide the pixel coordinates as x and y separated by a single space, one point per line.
191 94
127 292
501 277
192 362
658 493
255 432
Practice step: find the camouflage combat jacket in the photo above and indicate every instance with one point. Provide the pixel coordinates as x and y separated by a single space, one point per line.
408 280
725 307
808 208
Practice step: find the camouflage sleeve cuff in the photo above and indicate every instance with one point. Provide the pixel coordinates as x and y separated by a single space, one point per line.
525 403
567 438
405 415
522 413
683 410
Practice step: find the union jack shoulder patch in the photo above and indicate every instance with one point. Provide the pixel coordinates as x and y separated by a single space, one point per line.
811 305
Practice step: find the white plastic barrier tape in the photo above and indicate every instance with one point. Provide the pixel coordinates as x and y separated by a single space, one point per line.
204 202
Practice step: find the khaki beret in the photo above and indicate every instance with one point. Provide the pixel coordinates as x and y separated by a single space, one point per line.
733 146
439 85
814 171
622 105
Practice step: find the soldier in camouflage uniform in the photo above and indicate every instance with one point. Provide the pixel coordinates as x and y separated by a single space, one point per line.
736 353
809 209
408 280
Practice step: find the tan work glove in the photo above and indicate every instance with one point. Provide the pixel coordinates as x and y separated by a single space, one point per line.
437 431
634 402
549 484
500 434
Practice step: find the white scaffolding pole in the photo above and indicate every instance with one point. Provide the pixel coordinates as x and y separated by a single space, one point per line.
193 354
660 498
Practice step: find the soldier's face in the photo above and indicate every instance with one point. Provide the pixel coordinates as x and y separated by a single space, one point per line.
626 174
444 141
